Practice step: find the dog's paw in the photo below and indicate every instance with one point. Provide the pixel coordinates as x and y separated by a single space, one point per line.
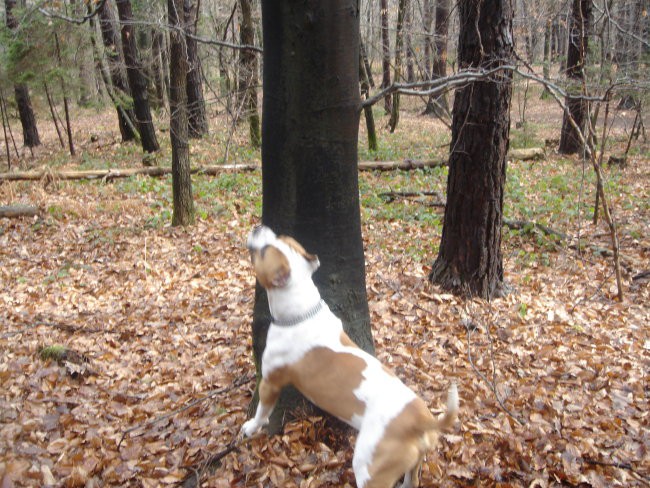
250 428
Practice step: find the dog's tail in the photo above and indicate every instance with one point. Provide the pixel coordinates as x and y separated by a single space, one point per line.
446 420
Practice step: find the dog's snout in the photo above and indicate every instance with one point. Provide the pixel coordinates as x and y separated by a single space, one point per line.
259 237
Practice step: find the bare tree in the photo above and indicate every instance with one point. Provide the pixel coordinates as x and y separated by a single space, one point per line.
137 80
197 117
577 107
178 127
309 155
470 258
23 100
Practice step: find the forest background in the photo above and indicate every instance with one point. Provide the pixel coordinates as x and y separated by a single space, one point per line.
126 355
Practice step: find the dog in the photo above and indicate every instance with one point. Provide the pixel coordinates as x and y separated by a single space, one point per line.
307 347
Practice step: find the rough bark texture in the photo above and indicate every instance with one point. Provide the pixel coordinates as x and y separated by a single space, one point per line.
113 50
438 105
248 78
137 80
197 117
178 126
470 260
397 73
23 101
309 155
576 53
385 53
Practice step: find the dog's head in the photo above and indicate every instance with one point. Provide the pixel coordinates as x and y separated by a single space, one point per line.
279 260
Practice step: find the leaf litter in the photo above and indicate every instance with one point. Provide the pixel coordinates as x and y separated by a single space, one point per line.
553 378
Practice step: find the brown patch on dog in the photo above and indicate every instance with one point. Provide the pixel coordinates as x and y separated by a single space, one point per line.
295 245
271 267
403 445
328 379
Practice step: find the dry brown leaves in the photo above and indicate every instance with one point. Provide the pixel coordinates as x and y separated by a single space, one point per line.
555 396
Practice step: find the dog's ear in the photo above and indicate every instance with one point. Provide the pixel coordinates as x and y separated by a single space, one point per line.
295 245
271 267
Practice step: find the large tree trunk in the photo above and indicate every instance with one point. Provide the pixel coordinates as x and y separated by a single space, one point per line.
178 126
385 53
113 50
23 100
197 117
248 78
470 259
309 156
438 105
577 108
137 80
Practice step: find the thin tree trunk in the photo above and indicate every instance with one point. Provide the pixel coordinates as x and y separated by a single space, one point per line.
178 127
197 117
137 81
23 101
248 78
470 259
158 67
121 93
397 72
66 107
3 101
385 54
408 43
5 122
570 142
439 106
367 110
50 102
366 64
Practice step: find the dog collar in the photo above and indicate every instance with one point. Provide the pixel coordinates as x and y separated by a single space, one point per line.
308 315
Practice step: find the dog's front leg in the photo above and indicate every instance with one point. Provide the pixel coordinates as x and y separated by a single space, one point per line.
268 396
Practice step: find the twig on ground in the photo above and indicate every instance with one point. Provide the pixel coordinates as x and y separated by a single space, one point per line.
193 479
237 383
470 326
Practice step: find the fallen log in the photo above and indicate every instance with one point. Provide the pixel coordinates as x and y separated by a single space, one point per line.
48 175
527 154
407 164
15 211
110 174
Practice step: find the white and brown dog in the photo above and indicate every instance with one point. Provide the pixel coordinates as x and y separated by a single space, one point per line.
307 347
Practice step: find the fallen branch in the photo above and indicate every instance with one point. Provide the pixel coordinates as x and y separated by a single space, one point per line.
109 174
527 154
407 164
524 224
15 211
193 479
241 381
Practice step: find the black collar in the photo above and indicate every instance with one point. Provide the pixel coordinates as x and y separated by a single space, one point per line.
295 321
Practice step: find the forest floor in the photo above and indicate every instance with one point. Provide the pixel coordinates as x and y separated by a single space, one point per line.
126 344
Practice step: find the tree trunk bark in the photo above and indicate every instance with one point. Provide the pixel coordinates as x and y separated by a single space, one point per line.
385 54
397 72
248 78
309 156
570 142
197 117
178 126
23 100
113 50
439 106
470 259
137 80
